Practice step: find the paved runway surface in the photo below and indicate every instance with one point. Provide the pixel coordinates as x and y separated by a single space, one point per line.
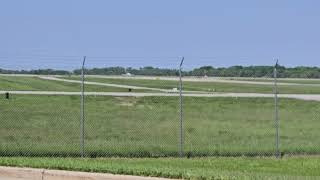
249 95
101 84
16 173
9 178
114 85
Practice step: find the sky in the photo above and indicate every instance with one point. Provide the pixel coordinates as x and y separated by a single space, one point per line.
57 34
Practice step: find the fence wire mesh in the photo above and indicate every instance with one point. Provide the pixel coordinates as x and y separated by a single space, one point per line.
132 109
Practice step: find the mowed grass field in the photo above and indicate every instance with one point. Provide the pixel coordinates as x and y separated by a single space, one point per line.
244 168
40 125
16 83
208 86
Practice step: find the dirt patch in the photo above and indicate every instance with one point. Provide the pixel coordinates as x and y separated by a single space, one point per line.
127 101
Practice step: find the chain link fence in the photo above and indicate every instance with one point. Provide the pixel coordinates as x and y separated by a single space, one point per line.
119 112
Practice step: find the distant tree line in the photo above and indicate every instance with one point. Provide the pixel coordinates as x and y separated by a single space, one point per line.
38 71
257 71
233 71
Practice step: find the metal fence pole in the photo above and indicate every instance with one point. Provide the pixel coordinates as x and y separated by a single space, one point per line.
181 109
82 109
275 74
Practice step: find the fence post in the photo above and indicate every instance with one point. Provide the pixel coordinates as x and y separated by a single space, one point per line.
82 109
275 74
181 109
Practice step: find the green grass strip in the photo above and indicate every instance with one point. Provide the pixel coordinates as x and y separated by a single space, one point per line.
197 168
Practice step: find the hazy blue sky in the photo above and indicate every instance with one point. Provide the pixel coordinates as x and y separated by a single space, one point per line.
39 33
